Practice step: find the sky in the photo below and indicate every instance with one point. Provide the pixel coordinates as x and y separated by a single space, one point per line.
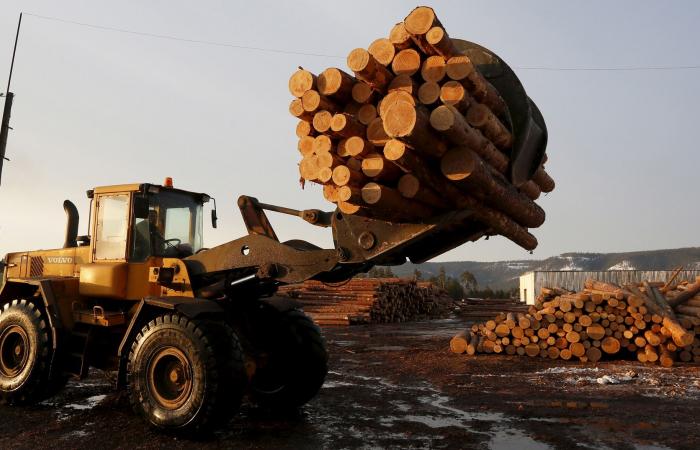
95 107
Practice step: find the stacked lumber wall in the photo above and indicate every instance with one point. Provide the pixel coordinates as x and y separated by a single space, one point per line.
413 131
368 300
652 322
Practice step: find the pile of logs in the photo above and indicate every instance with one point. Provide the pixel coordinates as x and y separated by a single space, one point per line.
368 300
652 322
478 308
416 131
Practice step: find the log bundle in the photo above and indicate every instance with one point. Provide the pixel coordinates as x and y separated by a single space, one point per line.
368 300
652 322
411 130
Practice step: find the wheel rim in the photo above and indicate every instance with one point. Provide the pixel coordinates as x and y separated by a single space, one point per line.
14 350
170 378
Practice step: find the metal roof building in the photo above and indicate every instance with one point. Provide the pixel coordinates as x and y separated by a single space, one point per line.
531 283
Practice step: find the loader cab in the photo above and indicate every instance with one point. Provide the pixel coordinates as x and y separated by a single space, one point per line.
136 222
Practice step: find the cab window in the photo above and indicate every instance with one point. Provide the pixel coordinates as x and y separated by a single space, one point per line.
111 231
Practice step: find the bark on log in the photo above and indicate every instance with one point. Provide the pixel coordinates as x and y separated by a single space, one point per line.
543 180
481 117
410 187
438 38
388 200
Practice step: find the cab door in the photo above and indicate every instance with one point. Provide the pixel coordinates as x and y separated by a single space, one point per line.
107 273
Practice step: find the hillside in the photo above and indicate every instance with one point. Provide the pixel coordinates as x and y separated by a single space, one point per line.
504 274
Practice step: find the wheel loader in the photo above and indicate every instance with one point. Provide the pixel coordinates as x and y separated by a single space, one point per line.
191 330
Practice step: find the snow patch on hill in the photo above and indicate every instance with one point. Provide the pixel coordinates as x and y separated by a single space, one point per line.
622 265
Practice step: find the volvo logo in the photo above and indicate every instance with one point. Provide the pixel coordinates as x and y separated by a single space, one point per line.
59 259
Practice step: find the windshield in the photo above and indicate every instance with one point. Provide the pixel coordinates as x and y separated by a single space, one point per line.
166 224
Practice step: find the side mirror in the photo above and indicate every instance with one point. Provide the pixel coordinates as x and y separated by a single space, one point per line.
214 219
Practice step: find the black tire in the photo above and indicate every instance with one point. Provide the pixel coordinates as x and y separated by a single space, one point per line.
25 353
296 367
186 374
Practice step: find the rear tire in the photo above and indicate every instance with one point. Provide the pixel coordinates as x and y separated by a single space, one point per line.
186 374
25 353
296 367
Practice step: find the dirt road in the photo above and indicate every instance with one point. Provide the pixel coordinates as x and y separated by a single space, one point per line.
397 386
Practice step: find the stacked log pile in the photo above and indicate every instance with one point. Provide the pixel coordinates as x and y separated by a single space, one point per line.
477 308
416 130
652 322
368 300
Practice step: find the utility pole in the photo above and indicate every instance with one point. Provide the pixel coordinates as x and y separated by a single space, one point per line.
9 96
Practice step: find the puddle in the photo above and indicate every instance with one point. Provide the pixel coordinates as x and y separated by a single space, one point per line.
507 439
89 403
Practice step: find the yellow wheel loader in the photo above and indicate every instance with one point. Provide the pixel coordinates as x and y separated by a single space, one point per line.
190 330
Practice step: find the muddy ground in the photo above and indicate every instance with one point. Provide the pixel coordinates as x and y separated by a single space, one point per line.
397 386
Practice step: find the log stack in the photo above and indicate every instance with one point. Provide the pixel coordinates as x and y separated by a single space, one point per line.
368 300
412 130
651 322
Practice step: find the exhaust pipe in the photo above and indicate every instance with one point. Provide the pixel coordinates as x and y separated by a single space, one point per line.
71 225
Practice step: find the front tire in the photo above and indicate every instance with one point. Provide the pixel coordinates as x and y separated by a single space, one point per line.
186 374
25 353
296 367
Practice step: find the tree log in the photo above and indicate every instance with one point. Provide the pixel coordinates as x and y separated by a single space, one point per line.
363 92
306 146
301 81
347 126
410 187
304 128
438 38
336 84
366 114
481 117
406 62
379 168
464 167
383 51
296 108
390 201
453 94
369 70
429 93
407 123
391 99
376 134
322 121
343 175
499 222
433 69
400 37
543 180
404 83
312 101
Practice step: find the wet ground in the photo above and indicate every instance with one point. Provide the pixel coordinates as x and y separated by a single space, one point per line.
397 386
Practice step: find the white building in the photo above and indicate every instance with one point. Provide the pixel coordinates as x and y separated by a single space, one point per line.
531 283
